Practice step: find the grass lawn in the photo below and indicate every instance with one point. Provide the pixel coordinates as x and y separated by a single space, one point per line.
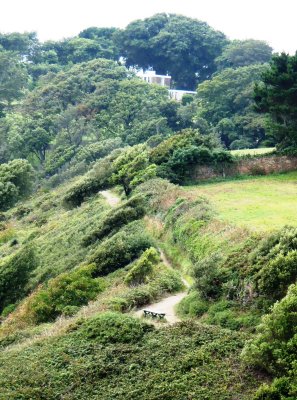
252 152
260 203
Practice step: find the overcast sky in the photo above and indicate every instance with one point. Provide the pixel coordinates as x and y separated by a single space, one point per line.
270 20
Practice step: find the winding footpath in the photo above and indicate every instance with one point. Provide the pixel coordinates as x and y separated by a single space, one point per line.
168 304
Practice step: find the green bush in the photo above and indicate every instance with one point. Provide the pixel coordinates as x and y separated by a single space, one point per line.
192 305
158 193
120 249
83 189
111 327
167 281
226 319
143 267
64 294
209 277
274 348
92 182
7 310
273 264
130 211
117 358
275 277
177 155
16 180
14 275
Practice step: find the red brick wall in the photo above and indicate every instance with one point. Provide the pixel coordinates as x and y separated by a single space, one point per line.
246 166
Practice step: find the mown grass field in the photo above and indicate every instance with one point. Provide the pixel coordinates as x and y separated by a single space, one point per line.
252 152
259 203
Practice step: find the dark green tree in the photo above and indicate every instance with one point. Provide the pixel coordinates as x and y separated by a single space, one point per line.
13 78
226 102
276 95
183 47
240 53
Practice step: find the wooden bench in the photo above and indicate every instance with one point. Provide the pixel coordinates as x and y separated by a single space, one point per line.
152 314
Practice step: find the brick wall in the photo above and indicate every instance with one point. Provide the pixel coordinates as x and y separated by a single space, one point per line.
246 166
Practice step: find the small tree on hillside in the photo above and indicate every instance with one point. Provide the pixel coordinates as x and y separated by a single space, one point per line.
132 168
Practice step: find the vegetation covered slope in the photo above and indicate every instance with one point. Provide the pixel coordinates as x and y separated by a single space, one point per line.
73 266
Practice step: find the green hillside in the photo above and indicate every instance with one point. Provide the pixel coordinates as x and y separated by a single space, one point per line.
260 203
117 280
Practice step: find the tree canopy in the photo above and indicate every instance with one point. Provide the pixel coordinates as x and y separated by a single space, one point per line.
180 46
226 102
276 96
240 53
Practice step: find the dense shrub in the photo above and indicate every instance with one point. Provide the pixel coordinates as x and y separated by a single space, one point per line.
184 210
112 327
64 294
131 210
274 348
121 249
177 155
167 281
16 179
187 137
112 357
95 180
159 193
14 274
192 305
143 267
97 150
209 277
273 264
275 277
86 187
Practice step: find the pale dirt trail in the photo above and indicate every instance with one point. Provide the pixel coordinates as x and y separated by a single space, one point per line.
111 198
168 304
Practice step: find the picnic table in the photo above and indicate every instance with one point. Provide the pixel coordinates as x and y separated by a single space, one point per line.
153 314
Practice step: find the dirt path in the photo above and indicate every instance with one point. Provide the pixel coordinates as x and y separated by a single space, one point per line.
111 198
167 305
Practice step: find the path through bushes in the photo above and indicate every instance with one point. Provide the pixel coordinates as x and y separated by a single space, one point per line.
167 305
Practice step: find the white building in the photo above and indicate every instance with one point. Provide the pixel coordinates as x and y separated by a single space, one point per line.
178 94
165 81
152 77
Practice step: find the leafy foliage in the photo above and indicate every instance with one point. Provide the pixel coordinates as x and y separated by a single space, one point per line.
185 48
112 355
14 275
274 348
132 168
276 95
240 53
66 292
177 155
121 249
114 328
16 178
131 210
143 267
226 102
13 78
